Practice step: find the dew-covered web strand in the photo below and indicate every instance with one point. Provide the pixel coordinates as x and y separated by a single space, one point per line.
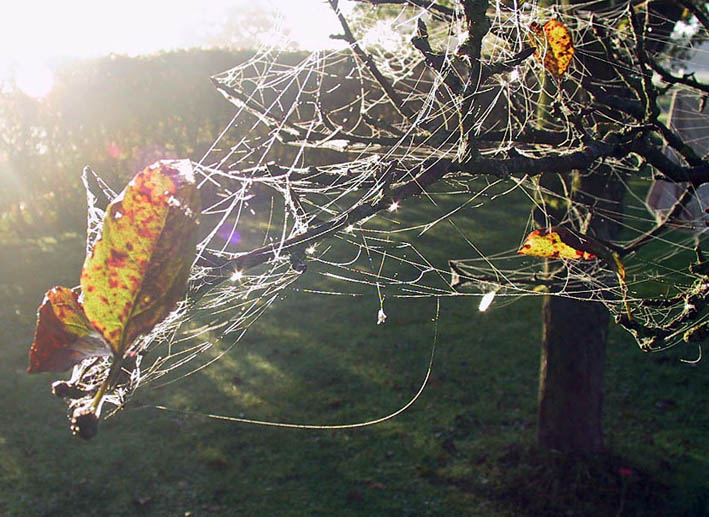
619 16
236 206
367 423
288 112
376 283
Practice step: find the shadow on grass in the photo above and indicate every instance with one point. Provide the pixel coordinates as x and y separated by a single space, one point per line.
522 479
465 448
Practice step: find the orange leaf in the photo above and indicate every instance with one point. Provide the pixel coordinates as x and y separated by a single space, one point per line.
549 244
555 48
64 336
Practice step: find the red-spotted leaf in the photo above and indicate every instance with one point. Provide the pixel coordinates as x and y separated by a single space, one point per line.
548 243
562 242
554 46
139 266
64 336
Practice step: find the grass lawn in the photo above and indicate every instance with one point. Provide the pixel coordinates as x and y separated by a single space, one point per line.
466 447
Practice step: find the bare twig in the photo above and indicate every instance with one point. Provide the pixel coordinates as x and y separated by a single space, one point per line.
505 66
606 101
435 60
676 209
647 91
669 169
440 12
676 142
386 85
686 79
464 277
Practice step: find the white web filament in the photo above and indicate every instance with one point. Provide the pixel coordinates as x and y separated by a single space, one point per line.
302 188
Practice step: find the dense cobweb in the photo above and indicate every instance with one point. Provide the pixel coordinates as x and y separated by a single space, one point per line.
318 140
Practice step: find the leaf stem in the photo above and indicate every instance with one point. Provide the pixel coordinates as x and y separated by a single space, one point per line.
106 384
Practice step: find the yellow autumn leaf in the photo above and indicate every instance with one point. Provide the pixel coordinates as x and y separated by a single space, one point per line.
554 243
555 49
548 244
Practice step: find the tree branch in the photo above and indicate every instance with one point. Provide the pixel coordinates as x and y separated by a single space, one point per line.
391 93
441 12
562 163
530 136
686 79
432 172
669 169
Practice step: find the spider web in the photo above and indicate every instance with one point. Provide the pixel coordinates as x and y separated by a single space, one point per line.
315 140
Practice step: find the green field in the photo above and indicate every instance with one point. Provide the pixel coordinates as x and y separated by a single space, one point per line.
466 447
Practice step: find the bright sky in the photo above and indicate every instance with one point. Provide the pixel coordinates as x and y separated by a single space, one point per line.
34 33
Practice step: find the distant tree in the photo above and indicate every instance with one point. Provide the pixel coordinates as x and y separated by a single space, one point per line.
116 114
487 94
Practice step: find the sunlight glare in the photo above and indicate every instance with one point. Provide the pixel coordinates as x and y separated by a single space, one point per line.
34 80
87 29
309 23
384 35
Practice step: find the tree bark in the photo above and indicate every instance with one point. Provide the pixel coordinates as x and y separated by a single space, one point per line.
574 335
571 375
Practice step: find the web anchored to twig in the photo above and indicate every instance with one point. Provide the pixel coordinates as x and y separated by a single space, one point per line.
460 122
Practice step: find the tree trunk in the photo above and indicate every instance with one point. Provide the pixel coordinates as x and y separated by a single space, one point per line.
571 375
574 335
575 332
